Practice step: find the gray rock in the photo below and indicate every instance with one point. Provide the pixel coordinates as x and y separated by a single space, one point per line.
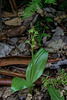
1 91
5 49
58 13
55 23
48 42
55 46
53 30
50 10
55 38
50 15
47 10
59 32
64 22
21 46
64 39
59 63
7 92
14 52
44 39
13 41
22 94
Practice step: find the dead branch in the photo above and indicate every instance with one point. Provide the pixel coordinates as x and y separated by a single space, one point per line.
9 81
13 5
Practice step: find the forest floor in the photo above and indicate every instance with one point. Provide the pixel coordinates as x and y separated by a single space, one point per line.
15 53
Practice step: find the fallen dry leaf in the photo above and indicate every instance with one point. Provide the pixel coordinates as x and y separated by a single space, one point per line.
14 22
7 14
15 31
12 73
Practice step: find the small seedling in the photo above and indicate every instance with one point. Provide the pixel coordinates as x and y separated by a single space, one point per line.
52 84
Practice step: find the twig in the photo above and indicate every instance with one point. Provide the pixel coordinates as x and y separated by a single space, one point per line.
9 81
11 73
5 81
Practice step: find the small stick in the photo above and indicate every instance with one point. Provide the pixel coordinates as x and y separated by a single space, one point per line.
11 73
5 82
8 82
14 3
11 6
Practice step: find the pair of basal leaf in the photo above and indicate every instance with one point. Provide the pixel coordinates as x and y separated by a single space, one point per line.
33 72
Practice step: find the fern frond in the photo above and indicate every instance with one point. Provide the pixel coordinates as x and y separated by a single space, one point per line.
32 7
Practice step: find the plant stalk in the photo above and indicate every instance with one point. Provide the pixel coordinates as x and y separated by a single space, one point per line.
31 88
32 52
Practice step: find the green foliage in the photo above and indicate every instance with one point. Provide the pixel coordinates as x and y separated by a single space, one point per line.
59 80
19 84
6 5
37 65
40 29
52 83
47 28
40 37
63 6
33 72
38 26
24 2
34 69
32 43
50 1
33 34
33 5
54 93
48 19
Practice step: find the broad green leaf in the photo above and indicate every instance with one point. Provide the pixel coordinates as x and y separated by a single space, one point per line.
19 84
54 93
37 65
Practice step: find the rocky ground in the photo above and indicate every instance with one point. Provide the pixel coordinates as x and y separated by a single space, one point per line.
12 43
